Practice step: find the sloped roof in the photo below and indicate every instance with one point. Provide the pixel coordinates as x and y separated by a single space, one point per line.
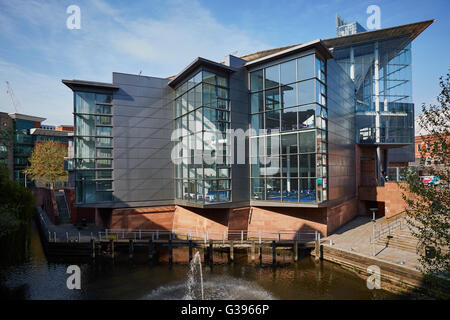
73 84
317 44
47 132
194 64
412 29
264 53
26 117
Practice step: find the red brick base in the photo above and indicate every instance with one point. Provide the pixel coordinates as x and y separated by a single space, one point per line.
391 194
271 219
155 218
339 215
77 214
197 221
251 219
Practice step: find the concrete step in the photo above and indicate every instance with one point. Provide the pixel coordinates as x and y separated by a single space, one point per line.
64 214
396 237
405 234
399 242
399 247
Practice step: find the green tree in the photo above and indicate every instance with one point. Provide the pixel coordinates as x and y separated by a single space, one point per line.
16 210
429 206
47 163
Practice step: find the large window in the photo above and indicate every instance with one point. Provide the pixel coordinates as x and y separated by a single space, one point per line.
93 147
202 169
296 87
385 116
288 150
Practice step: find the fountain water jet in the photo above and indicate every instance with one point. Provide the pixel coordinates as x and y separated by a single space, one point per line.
215 287
190 283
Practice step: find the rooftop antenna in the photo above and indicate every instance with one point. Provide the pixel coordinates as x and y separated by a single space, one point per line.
14 101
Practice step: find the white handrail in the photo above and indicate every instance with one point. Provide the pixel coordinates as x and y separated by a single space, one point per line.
156 234
387 228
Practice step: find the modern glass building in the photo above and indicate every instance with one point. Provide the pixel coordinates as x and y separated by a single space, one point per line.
288 144
281 131
381 71
18 136
23 143
345 29
202 118
379 63
93 138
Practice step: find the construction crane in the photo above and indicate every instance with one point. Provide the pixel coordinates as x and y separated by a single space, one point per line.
14 101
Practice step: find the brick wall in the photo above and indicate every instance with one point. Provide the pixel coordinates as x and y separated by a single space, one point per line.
239 218
367 169
215 221
250 219
143 218
390 194
45 198
393 201
238 221
288 219
78 213
339 215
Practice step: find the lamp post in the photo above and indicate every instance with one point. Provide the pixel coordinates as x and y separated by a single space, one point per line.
374 224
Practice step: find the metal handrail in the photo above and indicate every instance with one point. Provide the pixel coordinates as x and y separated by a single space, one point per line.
386 229
179 233
157 234
67 205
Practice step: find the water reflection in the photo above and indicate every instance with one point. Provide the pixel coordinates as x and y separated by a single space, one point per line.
41 279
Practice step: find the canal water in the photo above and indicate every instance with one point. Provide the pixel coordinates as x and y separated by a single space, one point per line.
39 278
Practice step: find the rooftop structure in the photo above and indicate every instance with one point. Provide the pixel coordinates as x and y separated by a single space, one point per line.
344 29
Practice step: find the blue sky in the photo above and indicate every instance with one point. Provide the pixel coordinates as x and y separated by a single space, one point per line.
160 38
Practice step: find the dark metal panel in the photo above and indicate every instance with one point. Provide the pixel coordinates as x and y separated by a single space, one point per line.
341 131
143 171
240 182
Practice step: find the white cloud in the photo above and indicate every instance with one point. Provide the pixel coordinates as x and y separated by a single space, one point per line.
109 40
37 94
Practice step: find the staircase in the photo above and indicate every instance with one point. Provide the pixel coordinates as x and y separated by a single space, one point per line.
63 210
401 239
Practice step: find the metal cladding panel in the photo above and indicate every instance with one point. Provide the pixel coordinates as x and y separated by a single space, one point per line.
240 120
341 128
143 171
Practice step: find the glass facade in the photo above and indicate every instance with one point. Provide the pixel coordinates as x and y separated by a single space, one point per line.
288 143
202 156
381 71
347 29
93 147
23 146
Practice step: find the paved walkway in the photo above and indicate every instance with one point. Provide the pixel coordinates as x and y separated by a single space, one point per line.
68 230
355 237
